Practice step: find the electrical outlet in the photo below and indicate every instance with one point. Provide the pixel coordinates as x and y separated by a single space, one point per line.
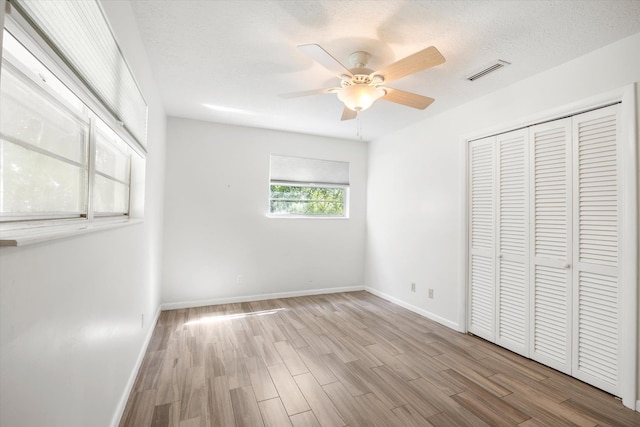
240 279
413 287
431 293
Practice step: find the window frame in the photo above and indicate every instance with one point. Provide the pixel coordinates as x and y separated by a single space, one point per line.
21 72
345 200
309 172
25 229
94 172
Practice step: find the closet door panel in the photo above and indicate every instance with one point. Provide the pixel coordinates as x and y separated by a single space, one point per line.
481 238
595 227
550 244
512 241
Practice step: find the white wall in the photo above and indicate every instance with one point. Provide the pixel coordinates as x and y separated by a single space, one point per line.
71 309
419 238
215 217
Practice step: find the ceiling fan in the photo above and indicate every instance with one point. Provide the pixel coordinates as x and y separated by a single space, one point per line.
360 87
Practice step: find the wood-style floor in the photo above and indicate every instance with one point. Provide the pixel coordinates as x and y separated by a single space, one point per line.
346 359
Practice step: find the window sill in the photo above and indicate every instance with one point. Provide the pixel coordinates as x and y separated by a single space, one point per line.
306 217
45 233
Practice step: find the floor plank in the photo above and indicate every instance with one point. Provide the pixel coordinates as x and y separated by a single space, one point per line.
409 417
260 379
319 402
291 358
492 410
352 412
245 407
273 413
411 396
219 402
316 366
304 419
346 359
291 396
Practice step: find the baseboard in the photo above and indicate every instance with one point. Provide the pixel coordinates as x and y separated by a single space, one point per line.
445 322
115 421
638 405
260 297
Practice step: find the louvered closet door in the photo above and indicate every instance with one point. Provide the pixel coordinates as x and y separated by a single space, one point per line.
595 228
481 237
550 244
512 264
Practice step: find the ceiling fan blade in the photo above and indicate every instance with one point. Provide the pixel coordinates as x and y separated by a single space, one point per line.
409 99
308 92
418 61
325 59
348 114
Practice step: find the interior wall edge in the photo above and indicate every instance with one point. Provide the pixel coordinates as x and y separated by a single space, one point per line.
258 297
421 311
463 271
119 411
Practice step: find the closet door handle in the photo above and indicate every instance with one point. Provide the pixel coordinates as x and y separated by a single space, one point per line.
566 265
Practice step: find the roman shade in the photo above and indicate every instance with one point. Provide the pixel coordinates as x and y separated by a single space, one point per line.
308 171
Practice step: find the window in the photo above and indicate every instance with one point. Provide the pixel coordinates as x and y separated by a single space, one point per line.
306 200
112 173
44 134
72 122
47 138
308 187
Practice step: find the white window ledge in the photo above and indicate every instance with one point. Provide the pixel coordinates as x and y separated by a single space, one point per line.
286 216
29 236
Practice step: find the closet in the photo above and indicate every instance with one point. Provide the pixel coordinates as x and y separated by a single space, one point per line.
544 244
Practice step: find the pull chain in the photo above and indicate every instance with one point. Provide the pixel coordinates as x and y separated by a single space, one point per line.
359 127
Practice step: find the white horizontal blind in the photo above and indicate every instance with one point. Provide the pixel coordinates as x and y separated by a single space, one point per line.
80 33
309 171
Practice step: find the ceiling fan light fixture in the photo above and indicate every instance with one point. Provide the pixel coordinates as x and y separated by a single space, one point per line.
360 87
359 97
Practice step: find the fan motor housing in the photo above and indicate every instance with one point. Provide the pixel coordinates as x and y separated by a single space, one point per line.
357 79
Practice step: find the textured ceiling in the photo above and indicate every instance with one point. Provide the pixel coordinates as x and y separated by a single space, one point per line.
226 61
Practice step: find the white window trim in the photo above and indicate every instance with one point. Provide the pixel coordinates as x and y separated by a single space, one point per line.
35 234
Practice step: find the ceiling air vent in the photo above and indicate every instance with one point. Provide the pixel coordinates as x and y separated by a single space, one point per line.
489 69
